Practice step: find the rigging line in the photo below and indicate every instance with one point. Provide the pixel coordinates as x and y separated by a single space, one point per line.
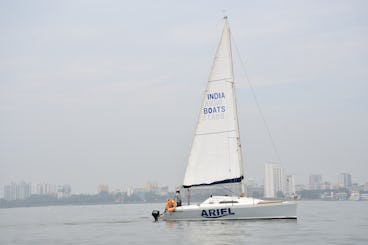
258 104
228 189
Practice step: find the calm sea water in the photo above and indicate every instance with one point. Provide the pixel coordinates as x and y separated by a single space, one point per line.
319 222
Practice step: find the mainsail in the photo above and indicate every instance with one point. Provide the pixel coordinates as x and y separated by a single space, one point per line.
215 156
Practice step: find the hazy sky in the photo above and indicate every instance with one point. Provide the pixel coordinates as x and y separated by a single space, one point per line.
109 91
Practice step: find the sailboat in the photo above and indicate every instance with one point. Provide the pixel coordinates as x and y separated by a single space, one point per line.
216 157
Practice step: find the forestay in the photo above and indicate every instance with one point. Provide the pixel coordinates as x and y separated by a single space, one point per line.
215 155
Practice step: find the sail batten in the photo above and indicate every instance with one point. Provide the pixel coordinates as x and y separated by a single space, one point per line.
229 80
215 156
218 132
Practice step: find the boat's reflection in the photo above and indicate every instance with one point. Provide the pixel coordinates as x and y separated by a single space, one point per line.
178 224
227 231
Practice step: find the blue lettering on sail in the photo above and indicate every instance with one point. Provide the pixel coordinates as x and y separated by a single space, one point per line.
215 96
217 213
214 106
215 109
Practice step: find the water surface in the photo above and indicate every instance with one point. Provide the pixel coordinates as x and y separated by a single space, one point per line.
319 222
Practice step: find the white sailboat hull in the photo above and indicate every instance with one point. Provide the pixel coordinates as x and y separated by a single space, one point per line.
227 209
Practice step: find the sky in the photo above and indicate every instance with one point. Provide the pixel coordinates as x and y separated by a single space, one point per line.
108 92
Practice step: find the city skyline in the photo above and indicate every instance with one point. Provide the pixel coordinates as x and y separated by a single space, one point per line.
258 182
93 93
277 185
315 182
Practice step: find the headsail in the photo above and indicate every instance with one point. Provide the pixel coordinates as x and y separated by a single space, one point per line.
215 155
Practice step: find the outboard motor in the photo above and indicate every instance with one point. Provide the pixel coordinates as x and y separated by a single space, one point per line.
155 214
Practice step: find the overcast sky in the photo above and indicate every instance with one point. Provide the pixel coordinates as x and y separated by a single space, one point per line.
109 91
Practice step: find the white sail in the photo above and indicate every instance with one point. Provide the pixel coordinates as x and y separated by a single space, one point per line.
215 155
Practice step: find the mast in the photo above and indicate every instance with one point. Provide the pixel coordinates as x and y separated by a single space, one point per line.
240 155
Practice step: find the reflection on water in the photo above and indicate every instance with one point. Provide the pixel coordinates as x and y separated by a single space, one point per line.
227 231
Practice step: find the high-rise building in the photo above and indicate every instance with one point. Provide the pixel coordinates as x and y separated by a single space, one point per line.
290 185
269 190
315 181
63 191
17 191
274 180
344 180
326 185
45 189
151 186
101 188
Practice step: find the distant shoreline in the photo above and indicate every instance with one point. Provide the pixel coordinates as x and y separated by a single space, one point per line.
98 199
138 198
